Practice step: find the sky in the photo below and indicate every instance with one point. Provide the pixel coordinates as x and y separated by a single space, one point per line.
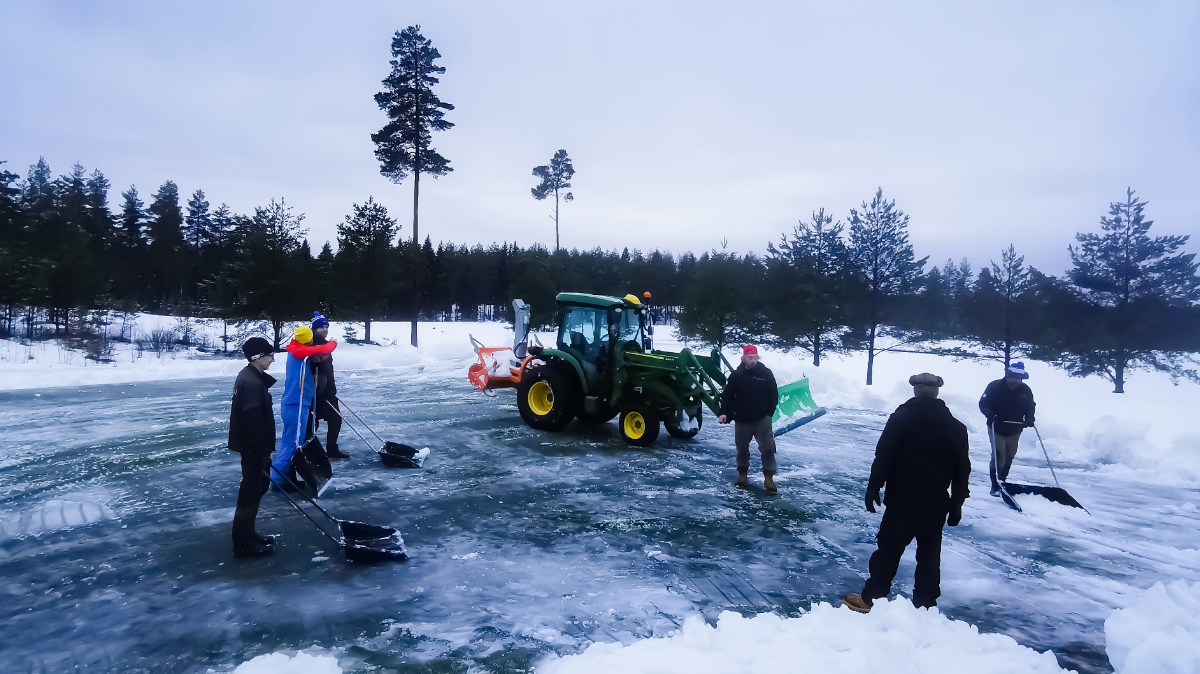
691 125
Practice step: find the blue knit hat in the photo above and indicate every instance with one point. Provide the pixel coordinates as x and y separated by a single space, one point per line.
1016 370
319 321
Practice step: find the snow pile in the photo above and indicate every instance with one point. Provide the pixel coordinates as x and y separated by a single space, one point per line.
280 663
1159 634
895 637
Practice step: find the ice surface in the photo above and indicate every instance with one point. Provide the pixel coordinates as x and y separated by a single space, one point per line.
1159 633
563 539
894 638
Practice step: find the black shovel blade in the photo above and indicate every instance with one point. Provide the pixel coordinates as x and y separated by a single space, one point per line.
313 465
396 455
1055 494
371 543
397 449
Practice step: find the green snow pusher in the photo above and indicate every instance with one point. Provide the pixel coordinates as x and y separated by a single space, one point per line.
603 365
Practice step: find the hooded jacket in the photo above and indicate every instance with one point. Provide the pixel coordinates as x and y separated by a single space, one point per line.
299 387
251 421
923 450
750 394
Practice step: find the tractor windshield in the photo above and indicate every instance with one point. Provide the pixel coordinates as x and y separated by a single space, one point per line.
630 327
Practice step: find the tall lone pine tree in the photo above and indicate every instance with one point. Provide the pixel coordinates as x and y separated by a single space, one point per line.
556 176
1131 283
414 112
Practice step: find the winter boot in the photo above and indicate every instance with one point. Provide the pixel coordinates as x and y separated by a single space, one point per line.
265 540
254 549
857 603
769 483
743 480
335 453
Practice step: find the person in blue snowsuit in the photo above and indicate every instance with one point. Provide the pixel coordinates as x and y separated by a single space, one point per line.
299 391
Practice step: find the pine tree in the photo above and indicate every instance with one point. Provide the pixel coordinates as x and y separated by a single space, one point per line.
167 243
723 302
885 264
556 176
807 277
364 259
269 283
414 111
198 223
1134 284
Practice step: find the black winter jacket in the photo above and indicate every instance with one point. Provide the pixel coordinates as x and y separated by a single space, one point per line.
322 365
1001 404
750 395
922 451
251 420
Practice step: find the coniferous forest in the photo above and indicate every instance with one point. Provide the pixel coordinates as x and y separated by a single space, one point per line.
72 259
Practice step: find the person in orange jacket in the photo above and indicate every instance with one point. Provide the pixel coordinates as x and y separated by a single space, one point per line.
299 391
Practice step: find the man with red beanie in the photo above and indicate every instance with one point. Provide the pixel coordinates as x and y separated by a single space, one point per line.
749 401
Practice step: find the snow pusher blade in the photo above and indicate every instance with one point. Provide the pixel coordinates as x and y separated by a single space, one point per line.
796 408
396 455
313 465
1055 494
361 542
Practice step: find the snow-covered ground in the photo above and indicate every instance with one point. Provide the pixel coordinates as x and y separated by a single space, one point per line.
1133 459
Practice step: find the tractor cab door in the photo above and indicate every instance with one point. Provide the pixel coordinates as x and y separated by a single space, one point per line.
583 333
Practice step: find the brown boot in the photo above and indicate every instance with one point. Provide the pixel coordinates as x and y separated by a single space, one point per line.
743 480
857 603
769 483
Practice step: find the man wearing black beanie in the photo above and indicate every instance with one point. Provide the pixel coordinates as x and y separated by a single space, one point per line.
252 434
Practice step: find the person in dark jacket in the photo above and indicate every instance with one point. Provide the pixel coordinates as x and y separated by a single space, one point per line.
1008 405
922 451
749 401
252 434
325 406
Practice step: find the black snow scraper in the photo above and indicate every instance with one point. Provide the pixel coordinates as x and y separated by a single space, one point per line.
394 454
1055 494
312 465
363 543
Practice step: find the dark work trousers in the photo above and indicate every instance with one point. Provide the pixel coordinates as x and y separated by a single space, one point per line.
760 432
898 529
333 424
254 484
1006 449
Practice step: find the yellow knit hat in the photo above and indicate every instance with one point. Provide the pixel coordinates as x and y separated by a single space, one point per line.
303 334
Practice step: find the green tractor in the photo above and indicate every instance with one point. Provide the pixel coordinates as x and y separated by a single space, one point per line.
604 365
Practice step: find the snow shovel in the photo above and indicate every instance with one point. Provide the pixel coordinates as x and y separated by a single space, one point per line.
996 462
313 465
362 542
1056 493
394 454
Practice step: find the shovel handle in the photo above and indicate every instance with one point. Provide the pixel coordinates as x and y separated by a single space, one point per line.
369 429
350 425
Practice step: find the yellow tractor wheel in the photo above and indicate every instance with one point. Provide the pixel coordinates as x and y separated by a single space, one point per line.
548 397
639 425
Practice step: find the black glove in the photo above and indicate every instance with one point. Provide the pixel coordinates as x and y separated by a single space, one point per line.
1029 423
955 515
872 500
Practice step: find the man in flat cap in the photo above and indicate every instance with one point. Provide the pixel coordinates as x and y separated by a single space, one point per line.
922 451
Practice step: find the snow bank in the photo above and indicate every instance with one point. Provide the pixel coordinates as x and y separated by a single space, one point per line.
281 663
1159 633
894 637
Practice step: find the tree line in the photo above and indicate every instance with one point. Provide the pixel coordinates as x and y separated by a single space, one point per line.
1129 301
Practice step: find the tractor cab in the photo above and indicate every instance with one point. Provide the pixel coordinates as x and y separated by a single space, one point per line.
592 328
